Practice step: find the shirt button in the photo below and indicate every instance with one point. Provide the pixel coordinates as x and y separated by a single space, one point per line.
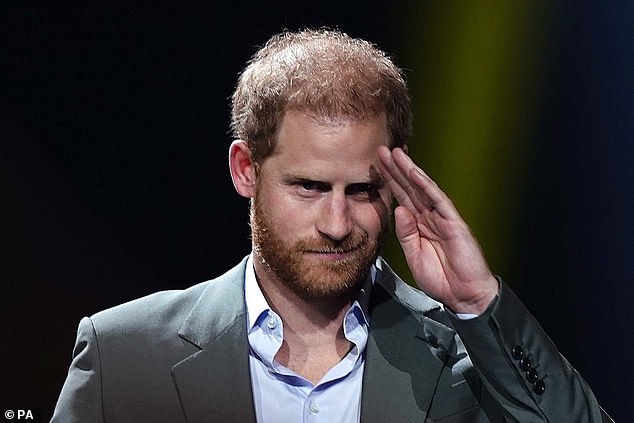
271 323
313 407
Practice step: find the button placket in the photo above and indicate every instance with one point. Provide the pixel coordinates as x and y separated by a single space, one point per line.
313 407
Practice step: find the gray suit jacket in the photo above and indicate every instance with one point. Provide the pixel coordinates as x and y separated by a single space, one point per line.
182 356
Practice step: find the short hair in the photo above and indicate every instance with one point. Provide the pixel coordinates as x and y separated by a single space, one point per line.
322 72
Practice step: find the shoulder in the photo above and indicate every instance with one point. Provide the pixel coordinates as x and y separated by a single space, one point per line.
156 307
165 311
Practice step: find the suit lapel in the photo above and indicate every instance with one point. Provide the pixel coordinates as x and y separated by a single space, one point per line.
214 384
405 353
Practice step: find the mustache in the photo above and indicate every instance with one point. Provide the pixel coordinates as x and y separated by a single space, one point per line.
329 246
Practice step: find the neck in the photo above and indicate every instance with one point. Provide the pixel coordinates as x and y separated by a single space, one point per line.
303 315
313 328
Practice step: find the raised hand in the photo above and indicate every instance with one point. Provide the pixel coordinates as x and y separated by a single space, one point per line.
442 254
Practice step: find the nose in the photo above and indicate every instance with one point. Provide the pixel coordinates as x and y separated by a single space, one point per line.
335 220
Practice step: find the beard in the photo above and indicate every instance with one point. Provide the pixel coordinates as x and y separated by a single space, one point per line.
298 266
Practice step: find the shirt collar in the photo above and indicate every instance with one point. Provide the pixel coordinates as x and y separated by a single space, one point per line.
256 303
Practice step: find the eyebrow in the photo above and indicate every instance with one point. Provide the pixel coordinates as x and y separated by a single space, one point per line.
375 180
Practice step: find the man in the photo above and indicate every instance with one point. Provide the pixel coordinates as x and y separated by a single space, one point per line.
313 325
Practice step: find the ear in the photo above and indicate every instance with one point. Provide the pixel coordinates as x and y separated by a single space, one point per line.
404 148
242 168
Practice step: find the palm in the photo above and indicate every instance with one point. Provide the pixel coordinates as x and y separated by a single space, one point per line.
442 254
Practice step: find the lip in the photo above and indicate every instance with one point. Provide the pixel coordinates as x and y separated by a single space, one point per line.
332 255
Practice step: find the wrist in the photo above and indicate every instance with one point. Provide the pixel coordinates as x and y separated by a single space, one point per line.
479 303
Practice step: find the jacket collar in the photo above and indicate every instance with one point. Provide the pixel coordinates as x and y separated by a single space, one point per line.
405 347
214 383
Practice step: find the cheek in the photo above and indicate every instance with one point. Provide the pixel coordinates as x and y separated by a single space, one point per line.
386 208
373 218
387 198
291 219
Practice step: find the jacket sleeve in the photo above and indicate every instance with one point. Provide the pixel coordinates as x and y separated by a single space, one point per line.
80 399
521 368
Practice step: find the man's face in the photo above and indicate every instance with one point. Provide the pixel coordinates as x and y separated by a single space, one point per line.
320 213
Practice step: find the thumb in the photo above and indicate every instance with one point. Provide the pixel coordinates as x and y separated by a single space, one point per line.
406 230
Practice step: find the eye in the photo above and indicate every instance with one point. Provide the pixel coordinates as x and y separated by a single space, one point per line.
309 185
363 191
308 188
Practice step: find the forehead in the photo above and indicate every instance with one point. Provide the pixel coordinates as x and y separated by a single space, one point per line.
305 137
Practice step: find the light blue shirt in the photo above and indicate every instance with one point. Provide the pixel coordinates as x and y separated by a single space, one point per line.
281 395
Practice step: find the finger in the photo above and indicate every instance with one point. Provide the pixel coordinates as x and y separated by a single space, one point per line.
425 187
406 230
408 236
401 195
403 189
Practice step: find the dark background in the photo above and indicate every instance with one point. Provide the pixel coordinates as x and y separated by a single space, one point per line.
114 182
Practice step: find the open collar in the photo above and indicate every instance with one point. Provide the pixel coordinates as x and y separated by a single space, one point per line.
405 354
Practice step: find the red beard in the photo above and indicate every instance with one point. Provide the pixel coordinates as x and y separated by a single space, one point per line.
300 267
